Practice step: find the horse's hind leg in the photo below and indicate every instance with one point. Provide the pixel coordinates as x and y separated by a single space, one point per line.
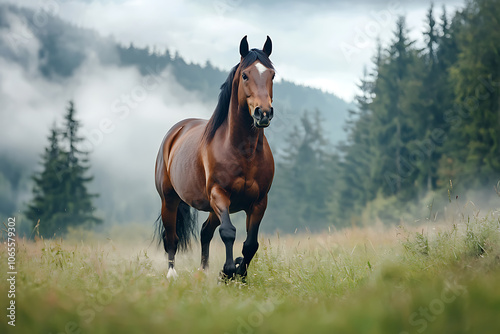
207 233
170 239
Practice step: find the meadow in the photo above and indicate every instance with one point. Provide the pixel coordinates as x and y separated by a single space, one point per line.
439 277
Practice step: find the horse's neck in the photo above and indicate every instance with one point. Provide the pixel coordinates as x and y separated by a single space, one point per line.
241 133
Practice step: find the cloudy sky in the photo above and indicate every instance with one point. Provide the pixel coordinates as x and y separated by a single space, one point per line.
320 43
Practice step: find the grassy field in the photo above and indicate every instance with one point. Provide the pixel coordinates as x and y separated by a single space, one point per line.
439 278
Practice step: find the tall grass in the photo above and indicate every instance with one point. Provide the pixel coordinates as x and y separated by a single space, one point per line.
439 278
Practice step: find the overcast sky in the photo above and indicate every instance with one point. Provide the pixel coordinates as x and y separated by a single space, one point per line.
320 43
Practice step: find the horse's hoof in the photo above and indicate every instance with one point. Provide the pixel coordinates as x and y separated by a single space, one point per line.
229 270
223 278
228 273
241 269
171 274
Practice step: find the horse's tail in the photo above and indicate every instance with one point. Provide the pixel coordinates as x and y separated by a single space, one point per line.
186 227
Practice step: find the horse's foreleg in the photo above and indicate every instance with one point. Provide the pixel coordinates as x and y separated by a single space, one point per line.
228 235
251 244
219 201
207 232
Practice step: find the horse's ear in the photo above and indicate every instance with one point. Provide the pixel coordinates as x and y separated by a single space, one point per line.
268 47
244 47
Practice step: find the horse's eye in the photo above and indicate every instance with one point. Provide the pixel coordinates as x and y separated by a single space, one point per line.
273 76
244 76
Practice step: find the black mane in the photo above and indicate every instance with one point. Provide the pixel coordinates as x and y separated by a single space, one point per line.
222 108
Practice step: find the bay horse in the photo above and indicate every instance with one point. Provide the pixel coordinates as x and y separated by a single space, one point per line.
221 166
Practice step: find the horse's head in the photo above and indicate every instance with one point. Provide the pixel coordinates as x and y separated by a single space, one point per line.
255 82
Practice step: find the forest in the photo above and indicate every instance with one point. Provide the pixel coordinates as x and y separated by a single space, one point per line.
425 131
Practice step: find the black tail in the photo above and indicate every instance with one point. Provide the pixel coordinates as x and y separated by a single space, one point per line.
186 227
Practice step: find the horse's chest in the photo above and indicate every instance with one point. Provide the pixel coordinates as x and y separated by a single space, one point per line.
244 189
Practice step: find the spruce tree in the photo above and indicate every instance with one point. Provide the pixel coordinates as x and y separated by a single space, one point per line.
354 186
305 178
48 201
476 78
393 116
61 198
77 164
429 124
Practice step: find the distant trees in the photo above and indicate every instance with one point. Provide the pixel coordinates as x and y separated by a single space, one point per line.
305 178
61 198
11 174
424 116
476 78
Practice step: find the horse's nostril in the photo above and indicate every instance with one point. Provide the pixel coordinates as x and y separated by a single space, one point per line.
257 112
271 113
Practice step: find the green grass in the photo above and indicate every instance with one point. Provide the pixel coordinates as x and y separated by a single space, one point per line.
440 279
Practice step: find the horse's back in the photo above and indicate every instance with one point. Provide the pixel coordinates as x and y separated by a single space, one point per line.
186 132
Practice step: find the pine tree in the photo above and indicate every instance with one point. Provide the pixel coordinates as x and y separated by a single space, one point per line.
393 116
305 178
447 54
60 191
80 207
426 117
354 186
48 202
430 122
476 78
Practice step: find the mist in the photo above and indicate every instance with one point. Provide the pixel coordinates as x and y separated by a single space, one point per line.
124 117
314 56
124 114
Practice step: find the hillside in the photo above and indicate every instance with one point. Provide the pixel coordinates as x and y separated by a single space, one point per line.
63 48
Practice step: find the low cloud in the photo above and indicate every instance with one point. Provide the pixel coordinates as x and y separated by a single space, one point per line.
308 36
124 115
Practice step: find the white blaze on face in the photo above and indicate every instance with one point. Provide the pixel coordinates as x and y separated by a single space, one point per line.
261 68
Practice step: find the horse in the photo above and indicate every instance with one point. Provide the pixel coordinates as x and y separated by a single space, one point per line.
221 166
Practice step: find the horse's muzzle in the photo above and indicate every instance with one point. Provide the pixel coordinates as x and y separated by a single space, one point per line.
262 118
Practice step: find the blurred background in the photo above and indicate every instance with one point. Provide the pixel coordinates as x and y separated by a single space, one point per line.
386 111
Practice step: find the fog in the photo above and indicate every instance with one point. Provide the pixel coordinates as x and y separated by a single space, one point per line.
124 116
324 44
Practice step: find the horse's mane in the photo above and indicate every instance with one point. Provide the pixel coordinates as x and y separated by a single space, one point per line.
222 108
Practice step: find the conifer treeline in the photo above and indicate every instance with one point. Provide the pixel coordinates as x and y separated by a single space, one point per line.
424 117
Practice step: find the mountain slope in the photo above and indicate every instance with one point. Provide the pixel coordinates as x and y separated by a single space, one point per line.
63 48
